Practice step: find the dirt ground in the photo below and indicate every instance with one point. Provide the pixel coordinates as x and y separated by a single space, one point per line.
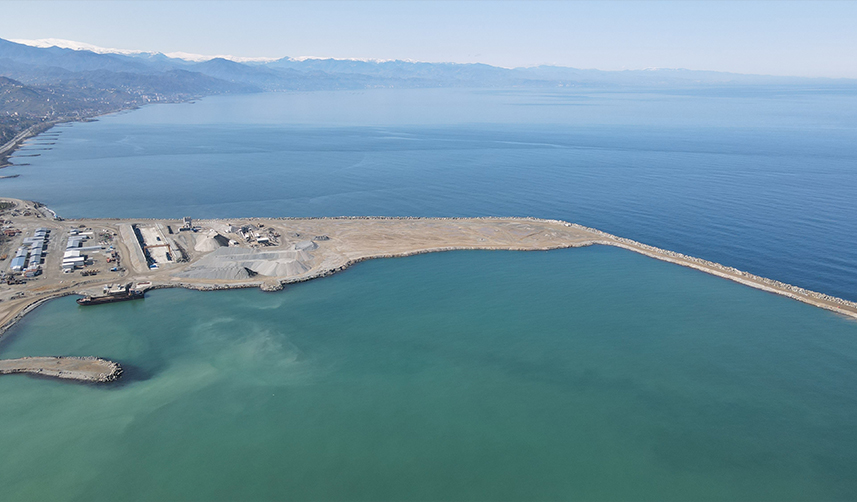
268 252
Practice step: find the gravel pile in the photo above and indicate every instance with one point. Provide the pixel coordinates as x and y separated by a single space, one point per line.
227 263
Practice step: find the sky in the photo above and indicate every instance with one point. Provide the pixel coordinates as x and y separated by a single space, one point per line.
776 38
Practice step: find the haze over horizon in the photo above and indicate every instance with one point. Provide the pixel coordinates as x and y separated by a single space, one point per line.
786 38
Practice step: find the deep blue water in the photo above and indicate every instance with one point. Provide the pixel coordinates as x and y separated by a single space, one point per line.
582 374
760 179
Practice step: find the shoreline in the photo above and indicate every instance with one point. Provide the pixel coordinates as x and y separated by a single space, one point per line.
822 300
817 299
9 148
303 249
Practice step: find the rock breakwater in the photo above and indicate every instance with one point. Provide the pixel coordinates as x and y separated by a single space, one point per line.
82 369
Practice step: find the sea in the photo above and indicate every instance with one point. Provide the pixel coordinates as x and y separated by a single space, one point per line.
580 374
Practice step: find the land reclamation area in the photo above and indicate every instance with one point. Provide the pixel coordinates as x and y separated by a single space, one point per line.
44 256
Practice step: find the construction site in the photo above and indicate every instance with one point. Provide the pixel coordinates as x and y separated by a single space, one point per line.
43 256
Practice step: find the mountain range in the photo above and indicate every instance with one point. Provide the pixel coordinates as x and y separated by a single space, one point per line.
53 65
50 83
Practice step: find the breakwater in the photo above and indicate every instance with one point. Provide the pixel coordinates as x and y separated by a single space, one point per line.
82 369
312 248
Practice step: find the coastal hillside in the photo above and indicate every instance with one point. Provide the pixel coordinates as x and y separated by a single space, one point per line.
25 106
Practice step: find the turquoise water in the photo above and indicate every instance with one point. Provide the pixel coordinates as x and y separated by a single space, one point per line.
583 374
760 179
588 374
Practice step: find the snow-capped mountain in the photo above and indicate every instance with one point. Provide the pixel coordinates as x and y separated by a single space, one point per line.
185 56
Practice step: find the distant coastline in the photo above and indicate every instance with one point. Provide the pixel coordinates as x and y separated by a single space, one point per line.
11 146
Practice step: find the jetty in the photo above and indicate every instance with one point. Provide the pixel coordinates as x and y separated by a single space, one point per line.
82 369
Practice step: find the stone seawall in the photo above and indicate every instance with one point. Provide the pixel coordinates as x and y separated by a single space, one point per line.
832 303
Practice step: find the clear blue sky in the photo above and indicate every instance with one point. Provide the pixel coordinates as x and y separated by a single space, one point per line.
781 38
